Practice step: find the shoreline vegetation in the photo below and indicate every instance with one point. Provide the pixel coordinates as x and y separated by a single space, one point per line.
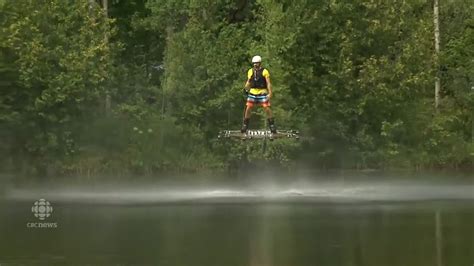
142 88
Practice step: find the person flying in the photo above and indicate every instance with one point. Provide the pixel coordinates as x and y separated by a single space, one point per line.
258 88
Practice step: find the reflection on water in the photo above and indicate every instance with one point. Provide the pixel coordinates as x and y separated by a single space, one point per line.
331 224
266 234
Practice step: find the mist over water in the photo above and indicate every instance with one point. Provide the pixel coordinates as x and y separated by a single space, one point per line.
255 188
261 219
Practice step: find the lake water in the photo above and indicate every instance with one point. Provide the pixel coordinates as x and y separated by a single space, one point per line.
379 223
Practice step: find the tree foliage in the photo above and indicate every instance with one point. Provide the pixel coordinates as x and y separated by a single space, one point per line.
357 78
58 62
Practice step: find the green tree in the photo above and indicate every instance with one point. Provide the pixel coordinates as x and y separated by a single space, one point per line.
62 60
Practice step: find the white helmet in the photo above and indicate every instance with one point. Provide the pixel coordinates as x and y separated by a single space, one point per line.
256 59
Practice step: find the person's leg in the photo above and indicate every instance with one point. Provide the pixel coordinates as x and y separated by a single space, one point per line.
248 112
268 111
271 121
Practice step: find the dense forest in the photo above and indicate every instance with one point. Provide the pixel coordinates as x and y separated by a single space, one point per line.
142 87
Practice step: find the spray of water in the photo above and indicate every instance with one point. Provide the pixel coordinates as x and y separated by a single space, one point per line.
262 190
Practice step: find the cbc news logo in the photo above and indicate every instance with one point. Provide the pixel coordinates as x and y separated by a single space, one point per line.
42 209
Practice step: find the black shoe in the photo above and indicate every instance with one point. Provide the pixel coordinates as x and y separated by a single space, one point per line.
271 124
273 129
245 125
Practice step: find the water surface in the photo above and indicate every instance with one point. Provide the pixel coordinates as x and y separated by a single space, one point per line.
363 222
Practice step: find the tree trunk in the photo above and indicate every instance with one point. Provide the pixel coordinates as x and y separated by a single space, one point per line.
108 101
437 41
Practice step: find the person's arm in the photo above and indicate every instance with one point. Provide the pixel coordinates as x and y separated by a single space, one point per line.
269 87
247 83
